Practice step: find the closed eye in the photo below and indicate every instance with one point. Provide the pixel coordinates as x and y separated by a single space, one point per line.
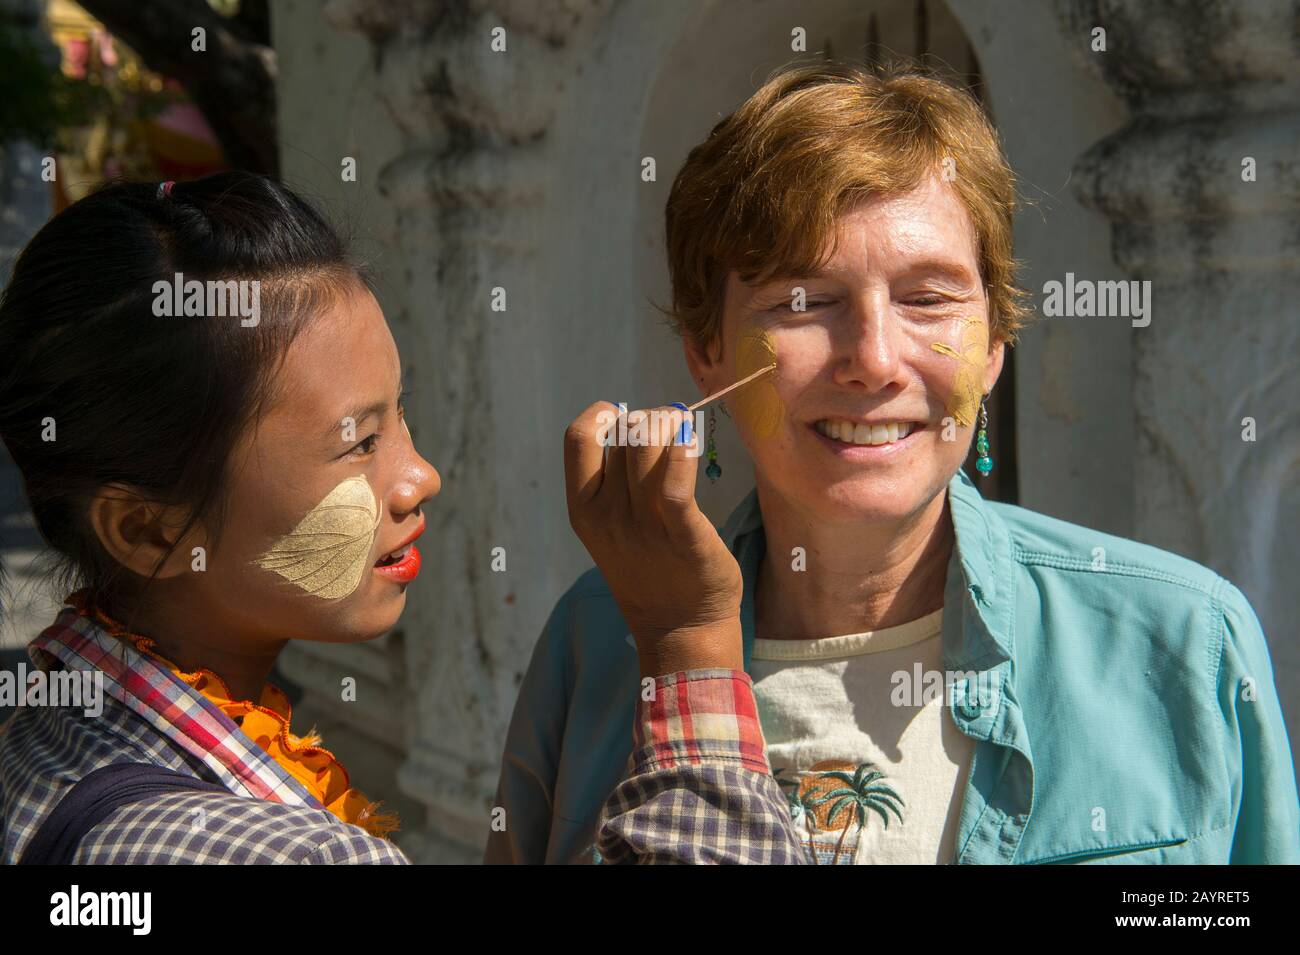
788 305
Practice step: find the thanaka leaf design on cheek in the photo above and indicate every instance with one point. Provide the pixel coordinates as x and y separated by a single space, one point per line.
758 403
970 355
328 553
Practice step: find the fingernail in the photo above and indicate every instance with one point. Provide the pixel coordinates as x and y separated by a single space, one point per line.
684 433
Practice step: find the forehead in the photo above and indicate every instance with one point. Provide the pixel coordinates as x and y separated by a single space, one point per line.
929 222
345 355
348 344
883 237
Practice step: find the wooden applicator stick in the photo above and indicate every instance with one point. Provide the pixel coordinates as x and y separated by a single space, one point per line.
732 387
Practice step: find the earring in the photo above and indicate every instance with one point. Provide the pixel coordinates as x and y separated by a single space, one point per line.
983 463
711 451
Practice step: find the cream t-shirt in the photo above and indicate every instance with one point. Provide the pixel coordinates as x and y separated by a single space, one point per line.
838 710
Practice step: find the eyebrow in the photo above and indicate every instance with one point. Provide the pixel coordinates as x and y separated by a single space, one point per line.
946 268
360 414
933 266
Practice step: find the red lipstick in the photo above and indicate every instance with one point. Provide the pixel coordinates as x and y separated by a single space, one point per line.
407 567
405 570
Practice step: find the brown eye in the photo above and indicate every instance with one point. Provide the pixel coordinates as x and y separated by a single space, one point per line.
367 446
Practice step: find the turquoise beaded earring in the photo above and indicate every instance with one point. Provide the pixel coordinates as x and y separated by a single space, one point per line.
714 471
983 463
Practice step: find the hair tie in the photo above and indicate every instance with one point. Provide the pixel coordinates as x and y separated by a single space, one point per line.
165 189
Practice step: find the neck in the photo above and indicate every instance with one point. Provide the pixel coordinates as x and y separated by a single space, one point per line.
856 578
194 637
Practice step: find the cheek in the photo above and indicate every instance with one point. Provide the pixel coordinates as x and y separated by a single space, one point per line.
938 375
327 553
243 537
804 356
758 404
961 351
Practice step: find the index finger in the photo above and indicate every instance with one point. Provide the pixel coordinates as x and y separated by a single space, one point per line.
584 452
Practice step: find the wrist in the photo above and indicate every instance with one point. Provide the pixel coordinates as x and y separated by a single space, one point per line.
698 646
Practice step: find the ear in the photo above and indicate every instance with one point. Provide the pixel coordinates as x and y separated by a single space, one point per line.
704 362
993 365
997 350
138 533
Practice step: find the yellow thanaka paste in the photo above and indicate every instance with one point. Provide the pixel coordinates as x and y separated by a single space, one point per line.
758 402
970 355
328 553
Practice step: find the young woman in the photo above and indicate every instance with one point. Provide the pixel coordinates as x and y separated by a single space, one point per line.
222 468
205 403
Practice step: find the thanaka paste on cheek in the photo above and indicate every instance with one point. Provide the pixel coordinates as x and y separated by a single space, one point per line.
758 403
970 355
328 554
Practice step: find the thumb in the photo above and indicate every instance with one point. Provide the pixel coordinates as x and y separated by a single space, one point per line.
683 519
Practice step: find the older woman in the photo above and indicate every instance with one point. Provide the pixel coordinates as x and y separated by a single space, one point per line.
938 679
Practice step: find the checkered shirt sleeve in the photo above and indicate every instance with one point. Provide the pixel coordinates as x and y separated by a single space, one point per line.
217 829
700 789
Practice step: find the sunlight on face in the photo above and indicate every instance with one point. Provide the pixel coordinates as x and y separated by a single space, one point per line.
881 375
327 484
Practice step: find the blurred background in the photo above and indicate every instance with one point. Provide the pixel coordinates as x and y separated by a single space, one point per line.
520 168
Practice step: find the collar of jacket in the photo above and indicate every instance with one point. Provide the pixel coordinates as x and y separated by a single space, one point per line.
978 653
981 556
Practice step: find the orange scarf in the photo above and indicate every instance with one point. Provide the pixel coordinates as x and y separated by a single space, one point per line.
266 723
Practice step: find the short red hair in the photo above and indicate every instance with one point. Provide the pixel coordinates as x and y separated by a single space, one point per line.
762 193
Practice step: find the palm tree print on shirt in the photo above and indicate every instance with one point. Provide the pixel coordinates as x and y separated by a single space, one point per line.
836 796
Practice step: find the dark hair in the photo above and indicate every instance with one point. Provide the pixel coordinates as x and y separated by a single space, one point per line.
152 402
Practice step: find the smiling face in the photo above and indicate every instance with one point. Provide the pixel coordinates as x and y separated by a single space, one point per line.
313 506
893 341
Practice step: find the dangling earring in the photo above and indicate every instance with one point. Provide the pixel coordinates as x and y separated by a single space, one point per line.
983 463
711 450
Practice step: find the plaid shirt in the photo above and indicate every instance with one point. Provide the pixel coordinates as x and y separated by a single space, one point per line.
700 790
152 716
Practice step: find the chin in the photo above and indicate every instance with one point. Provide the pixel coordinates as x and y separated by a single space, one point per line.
370 616
864 498
865 501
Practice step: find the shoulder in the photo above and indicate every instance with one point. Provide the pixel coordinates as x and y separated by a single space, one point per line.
589 587
586 617
1168 603
44 750
1038 540
584 640
224 828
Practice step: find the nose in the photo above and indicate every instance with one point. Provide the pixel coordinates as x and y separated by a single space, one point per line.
871 348
418 481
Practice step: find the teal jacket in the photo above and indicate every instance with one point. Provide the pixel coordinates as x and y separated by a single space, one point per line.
1132 716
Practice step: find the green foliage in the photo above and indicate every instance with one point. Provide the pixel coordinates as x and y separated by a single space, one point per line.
27 98
36 99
